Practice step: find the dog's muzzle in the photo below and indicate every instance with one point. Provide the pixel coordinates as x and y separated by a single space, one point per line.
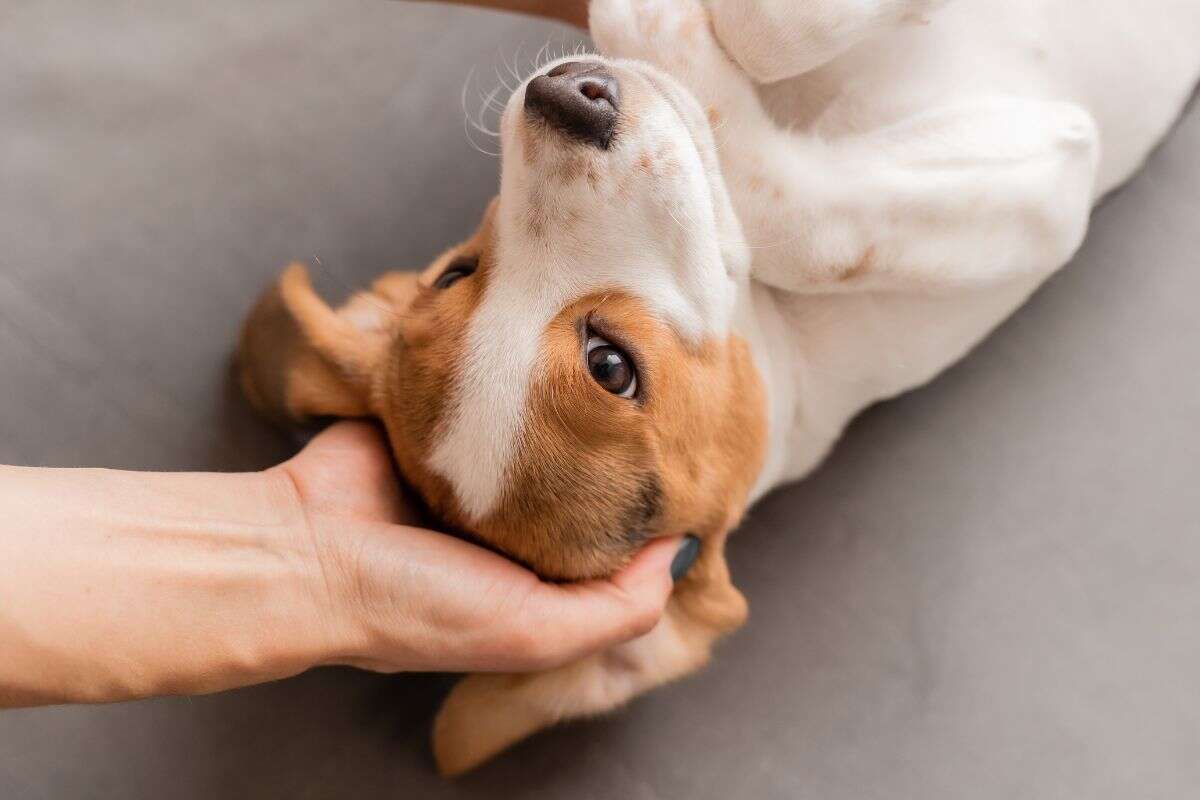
579 98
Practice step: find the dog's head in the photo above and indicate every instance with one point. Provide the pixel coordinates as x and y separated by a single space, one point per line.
567 382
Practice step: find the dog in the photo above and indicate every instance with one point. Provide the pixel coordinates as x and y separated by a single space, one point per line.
712 247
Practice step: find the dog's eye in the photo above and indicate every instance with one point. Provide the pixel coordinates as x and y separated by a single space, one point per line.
610 367
459 268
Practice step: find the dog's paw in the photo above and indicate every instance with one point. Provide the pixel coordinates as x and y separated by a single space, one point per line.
673 35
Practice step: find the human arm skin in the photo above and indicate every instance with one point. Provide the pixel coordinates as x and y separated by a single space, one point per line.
119 585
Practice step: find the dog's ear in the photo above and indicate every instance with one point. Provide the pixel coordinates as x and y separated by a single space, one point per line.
487 712
298 358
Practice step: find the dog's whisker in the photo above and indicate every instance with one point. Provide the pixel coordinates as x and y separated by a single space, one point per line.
500 57
475 145
487 102
503 82
508 68
486 105
516 63
466 84
671 214
537 63
469 122
485 130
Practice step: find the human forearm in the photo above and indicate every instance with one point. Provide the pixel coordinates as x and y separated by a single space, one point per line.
116 585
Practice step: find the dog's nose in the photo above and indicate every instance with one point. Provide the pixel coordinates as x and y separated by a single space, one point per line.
580 98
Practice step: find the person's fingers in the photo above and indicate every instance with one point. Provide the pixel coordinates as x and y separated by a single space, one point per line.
346 434
564 622
347 469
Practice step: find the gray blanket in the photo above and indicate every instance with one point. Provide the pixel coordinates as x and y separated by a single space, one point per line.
991 590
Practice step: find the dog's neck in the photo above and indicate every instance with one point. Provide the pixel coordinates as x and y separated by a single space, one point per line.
759 321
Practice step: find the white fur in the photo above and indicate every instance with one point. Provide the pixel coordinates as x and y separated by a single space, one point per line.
674 243
902 188
915 169
912 173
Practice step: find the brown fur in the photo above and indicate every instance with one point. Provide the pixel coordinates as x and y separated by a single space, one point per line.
595 475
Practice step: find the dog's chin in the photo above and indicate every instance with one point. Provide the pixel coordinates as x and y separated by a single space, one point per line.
569 561
557 562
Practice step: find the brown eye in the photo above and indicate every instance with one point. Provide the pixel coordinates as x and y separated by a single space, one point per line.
458 269
610 367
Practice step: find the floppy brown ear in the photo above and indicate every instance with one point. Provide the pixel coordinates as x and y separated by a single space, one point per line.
298 358
487 712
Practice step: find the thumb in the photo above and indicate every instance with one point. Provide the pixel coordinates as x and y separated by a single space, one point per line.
582 618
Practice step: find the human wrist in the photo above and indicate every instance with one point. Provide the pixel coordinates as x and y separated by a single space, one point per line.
256 612
323 629
254 605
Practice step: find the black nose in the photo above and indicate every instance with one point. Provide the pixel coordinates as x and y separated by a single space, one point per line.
580 98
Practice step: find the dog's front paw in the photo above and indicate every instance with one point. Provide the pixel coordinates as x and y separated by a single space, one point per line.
673 35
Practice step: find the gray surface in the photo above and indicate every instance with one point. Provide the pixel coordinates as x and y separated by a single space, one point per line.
992 590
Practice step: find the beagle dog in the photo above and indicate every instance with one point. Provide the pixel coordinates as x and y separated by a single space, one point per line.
712 247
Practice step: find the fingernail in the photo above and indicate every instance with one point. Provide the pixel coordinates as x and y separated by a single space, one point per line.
685 556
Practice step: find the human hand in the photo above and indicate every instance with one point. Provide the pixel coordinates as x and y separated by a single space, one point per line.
397 597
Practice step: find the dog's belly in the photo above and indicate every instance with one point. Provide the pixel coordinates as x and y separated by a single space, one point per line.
1132 65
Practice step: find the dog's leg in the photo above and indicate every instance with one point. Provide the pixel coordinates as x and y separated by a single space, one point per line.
777 39
969 194
485 713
